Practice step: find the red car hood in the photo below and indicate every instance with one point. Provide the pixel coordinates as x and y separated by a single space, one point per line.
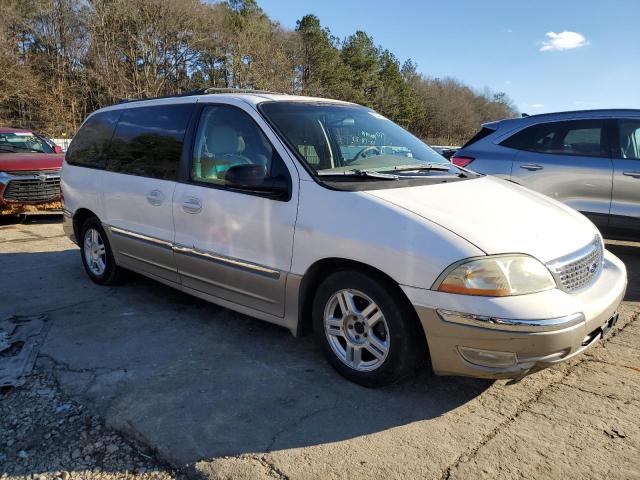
30 161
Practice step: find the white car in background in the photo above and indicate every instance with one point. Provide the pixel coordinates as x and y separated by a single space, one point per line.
308 212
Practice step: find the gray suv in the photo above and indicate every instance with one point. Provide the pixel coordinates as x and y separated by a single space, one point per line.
589 160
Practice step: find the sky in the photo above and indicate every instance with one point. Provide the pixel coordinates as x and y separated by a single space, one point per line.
547 55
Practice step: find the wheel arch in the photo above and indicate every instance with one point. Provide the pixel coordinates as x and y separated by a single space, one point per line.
319 270
79 217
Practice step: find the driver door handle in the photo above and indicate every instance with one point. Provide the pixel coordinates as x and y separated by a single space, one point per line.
192 205
531 166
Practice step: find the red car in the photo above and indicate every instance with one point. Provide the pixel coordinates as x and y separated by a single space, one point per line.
29 172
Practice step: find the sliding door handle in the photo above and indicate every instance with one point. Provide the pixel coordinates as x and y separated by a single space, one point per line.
192 205
632 174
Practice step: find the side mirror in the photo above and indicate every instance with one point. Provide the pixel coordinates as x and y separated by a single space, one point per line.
57 149
254 178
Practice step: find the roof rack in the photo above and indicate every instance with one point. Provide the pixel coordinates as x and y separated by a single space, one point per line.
204 91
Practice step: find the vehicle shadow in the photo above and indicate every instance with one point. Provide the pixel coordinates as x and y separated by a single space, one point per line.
197 381
31 218
629 253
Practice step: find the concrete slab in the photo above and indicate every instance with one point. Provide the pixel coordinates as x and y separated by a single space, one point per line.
232 397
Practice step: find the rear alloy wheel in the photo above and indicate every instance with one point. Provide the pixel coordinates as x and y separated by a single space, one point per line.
367 330
96 254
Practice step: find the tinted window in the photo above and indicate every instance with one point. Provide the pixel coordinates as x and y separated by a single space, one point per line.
226 137
148 141
578 137
89 145
629 139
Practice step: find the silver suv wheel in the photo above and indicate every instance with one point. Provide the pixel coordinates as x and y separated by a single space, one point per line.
356 330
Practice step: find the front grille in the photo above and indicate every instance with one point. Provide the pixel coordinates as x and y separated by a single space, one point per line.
578 270
32 190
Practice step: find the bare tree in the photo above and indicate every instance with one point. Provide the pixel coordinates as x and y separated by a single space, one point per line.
61 59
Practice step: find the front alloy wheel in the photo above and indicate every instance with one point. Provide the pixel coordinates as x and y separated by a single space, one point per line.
368 330
356 330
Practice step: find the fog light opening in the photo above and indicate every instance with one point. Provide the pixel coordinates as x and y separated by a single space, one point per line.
488 358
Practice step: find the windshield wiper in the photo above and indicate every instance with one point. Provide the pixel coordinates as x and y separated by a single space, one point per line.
419 167
362 173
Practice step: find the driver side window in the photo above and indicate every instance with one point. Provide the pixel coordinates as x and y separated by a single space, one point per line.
227 137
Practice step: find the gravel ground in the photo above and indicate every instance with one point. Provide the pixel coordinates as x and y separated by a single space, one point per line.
46 435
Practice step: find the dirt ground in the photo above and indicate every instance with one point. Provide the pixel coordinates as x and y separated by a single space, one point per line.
141 381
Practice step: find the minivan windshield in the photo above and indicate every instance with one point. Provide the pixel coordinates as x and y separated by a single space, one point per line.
335 139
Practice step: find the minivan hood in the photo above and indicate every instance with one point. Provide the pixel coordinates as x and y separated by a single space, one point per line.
498 216
30 161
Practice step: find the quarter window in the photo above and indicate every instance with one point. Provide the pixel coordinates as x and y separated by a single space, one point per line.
484 132
148 141
629 139
576 137
90 144
227 137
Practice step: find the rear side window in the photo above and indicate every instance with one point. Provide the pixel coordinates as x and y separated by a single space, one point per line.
484 132
90 144
629 139
148 141
576 137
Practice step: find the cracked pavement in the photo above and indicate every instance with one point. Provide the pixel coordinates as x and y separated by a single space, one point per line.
218 395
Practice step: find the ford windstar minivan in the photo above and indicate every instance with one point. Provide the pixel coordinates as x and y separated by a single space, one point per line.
324 215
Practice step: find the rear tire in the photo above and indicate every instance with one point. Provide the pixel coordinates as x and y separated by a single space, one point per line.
377 341
96 254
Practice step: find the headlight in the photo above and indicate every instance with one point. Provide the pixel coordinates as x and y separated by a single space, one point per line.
497 276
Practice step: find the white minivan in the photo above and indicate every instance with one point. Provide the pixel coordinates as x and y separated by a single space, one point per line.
319 214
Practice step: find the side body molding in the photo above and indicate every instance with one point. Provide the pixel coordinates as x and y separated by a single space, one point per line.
239 300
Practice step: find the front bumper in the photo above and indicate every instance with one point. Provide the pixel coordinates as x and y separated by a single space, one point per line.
537 330
29 191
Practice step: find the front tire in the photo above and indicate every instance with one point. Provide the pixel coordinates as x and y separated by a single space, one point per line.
368 333
97 256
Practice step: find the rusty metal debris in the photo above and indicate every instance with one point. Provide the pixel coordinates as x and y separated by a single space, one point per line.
20 341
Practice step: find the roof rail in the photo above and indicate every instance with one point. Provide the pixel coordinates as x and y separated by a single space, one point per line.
593 110
211 90
203 91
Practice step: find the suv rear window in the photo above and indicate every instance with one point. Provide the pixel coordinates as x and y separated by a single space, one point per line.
90 144
574 137
484 132
148 141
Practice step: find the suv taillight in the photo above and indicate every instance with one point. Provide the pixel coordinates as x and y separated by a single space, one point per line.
461 161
